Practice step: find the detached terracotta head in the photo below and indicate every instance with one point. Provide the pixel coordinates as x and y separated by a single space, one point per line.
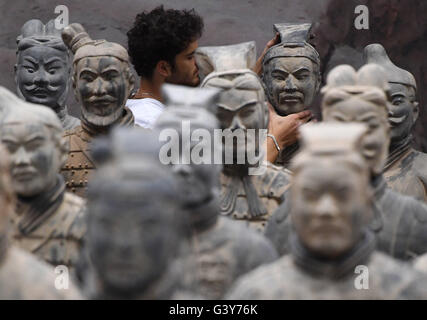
291 70
330 193
403 109
361 96
43 67
33 136
102 78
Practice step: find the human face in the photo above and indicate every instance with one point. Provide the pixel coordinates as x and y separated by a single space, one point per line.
251 115
292 84
185 71
132 249
328 204
102 86
376 140
403 111
42 75
35 157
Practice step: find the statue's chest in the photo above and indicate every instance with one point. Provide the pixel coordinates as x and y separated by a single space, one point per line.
403 178
78 169
51 241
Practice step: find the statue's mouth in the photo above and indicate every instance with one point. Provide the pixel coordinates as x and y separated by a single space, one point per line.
394 121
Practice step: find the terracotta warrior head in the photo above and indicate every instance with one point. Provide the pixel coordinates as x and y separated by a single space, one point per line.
242 102
403 110
361 96
33 136
43 67
192 146
102 79
330 197
133 220
291 69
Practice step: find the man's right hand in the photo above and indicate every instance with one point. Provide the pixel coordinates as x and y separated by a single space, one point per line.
284 129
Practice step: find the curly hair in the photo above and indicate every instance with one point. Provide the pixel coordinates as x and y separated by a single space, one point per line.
161 35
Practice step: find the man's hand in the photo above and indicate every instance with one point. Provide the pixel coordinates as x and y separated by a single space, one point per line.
258 65
284 129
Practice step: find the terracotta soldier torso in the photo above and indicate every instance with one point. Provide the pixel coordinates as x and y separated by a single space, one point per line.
22 275
220 249
406 169
58 238
102 82
284 280
47 221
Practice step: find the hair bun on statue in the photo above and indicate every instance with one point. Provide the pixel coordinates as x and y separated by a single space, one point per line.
75 36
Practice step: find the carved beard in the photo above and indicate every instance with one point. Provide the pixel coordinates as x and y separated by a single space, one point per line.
102 121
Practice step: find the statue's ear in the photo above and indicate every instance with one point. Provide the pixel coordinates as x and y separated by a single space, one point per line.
74 84
319 81
15 72
416 110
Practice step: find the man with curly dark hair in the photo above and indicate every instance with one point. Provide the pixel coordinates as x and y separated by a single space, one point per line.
161 45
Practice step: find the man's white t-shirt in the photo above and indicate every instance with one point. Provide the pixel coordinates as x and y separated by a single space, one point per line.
146 111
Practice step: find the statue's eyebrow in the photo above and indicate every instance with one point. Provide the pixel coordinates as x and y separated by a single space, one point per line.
30 59
53 59
110 68
87 69
398 94
301 70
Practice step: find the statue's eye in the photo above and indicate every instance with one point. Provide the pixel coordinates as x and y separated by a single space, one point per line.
29 69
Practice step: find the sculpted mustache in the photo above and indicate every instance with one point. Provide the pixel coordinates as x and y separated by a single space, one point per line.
36 88
101 98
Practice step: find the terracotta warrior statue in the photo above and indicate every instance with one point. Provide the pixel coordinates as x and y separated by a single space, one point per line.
135 232
406 168
243 115
332 249
291 73
102 81
400 222
22 275
220 249
43 69
47 221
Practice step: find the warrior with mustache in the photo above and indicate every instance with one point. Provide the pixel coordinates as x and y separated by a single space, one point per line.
102 82
406 168
43 68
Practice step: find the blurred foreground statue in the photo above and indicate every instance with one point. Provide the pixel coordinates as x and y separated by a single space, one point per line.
102 82
22 275
48 221
400 221
331 244
406 168
134 227
43 69
251 187
220 249
291 73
